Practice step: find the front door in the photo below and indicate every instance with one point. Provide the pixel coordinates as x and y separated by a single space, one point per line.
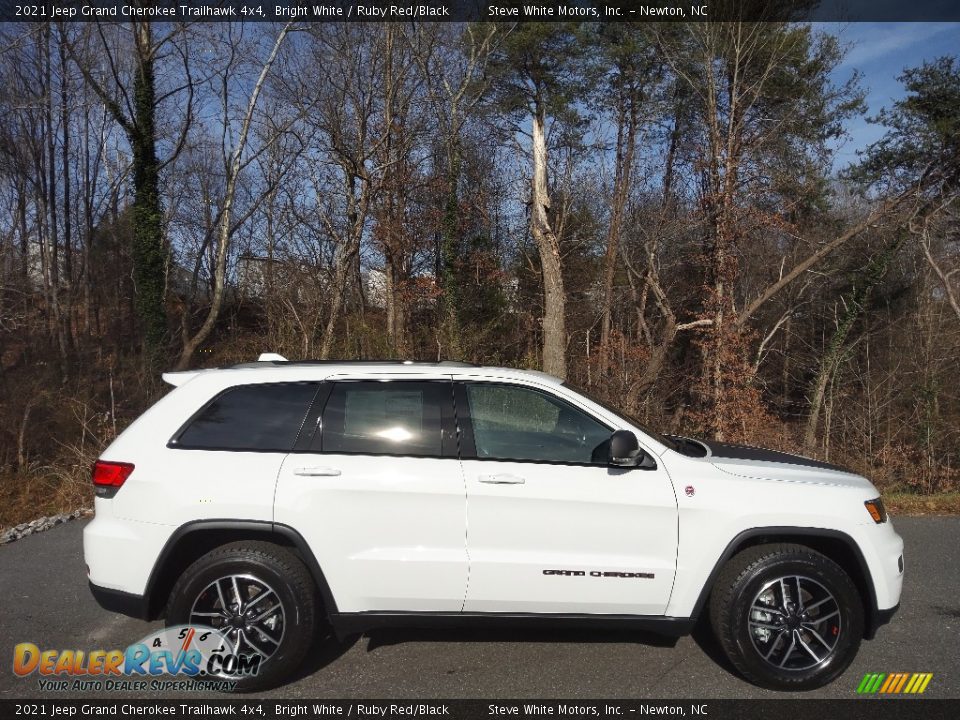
551 528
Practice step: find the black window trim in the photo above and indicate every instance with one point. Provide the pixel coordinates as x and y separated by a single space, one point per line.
313 420
174 442
449 432
468 443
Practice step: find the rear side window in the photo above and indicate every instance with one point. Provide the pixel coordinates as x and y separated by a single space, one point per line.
384 418
250 417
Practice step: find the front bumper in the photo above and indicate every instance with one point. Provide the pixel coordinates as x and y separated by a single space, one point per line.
882 548
879 618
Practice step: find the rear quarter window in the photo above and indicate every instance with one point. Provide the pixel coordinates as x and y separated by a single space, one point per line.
261 418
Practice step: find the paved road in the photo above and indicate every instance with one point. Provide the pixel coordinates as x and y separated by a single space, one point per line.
44 600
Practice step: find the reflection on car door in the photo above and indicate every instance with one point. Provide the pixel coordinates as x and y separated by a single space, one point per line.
551 528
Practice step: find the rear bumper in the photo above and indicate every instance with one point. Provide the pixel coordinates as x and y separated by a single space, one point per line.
120 602
120 553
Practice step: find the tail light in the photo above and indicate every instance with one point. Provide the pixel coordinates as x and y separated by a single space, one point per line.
108 477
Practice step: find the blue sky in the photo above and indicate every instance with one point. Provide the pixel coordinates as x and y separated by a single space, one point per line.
881 51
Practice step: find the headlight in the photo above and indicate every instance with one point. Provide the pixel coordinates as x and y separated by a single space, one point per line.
876 510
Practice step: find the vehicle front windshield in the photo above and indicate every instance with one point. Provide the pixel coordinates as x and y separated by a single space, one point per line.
626 417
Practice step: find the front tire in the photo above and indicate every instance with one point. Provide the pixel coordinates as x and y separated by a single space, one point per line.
260 596
788 617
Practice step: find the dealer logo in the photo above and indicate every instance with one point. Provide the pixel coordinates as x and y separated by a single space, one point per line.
187 651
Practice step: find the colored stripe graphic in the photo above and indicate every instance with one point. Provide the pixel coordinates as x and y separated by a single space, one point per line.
894 683
900 683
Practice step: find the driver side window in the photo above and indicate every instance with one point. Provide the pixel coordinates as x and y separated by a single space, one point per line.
511 422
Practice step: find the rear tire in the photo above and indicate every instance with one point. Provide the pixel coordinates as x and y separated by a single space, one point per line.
261 596
788 617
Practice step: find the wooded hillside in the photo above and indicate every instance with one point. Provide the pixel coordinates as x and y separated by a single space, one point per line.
653 211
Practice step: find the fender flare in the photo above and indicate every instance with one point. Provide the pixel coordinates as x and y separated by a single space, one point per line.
873 614
257 527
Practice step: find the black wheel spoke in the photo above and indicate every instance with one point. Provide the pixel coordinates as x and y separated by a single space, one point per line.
768 626
818 603
223 601
773 645
268 611
793 644
236 593
256 648
810 652
818 637
823 618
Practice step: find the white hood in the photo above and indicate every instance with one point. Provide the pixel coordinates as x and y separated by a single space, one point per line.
789 472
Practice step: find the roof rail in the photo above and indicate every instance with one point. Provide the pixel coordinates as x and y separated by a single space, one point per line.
274 360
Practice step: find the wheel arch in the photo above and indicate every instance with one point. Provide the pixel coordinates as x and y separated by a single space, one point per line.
834 544
194 539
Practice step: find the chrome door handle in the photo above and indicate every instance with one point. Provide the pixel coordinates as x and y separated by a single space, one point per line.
316 472
503 479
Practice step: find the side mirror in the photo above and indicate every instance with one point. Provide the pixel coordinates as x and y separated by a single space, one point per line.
625 451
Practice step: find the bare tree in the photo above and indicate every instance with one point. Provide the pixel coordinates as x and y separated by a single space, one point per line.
235 164
453 63
133 104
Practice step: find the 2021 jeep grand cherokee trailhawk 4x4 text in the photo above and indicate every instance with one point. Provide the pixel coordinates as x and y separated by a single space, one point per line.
269 498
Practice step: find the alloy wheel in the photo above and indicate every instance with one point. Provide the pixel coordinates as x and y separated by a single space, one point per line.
795 623
245 609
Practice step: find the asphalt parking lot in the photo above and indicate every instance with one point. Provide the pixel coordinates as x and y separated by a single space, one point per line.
45 601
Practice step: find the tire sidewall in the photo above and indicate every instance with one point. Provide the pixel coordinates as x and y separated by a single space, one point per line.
851 618
296 623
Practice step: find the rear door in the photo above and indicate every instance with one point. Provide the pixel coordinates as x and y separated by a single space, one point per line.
379 495
551 527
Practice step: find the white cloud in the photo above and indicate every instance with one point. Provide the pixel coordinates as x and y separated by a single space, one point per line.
872 41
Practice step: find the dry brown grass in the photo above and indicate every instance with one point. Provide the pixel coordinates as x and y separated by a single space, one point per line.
899 503
62 485
37 492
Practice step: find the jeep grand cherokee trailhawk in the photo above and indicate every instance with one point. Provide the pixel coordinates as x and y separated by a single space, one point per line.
274 497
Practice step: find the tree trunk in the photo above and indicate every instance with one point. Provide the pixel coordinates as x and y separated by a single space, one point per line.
855 306
88 224
53 254
346 253
554 327
67 205
390 290
225 229
626 144
450 300
148 242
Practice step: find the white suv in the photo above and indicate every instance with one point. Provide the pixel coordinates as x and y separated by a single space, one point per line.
270 498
